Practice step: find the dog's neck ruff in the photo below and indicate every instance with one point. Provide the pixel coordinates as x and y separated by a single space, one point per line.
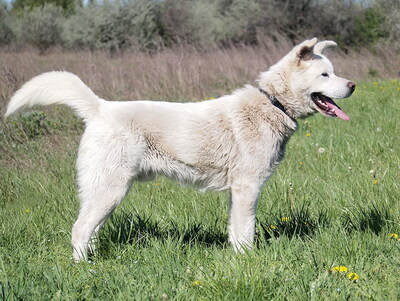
274 101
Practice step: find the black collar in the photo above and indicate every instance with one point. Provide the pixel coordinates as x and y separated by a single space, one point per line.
274 101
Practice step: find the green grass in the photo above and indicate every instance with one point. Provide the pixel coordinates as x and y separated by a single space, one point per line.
324 207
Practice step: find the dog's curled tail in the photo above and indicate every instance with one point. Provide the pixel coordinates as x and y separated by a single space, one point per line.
56 87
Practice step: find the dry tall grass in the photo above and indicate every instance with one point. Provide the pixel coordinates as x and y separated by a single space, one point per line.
180 74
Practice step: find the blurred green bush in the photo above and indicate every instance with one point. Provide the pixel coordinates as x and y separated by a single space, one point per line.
152 24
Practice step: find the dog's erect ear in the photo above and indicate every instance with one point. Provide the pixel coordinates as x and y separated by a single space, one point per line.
320 47
305 50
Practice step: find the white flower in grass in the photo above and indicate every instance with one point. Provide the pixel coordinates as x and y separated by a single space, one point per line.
321 150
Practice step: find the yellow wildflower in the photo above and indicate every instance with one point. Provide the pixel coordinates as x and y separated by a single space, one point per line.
272 227
196 283
301 162
27 210
375 182
308 135
394 235
353 276
285 219
340 268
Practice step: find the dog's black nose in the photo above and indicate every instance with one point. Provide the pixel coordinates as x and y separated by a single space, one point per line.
352 86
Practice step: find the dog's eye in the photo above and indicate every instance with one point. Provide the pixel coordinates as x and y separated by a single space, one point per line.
325 74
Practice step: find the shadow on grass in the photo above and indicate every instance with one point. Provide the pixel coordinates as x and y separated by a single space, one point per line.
128 228
367 219
298 223
301 224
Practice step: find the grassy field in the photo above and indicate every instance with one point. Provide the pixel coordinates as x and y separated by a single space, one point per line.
333 202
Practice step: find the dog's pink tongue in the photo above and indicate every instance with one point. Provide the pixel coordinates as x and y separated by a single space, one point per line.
339 113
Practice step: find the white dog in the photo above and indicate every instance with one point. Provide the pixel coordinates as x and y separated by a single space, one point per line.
234 142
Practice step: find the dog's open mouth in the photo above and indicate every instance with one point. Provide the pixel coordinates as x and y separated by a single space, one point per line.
327 106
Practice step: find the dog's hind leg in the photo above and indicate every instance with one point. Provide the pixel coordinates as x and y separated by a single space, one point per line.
95 235
97 203
104 178
243 205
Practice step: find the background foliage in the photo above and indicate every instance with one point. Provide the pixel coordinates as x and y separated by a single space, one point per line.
150 24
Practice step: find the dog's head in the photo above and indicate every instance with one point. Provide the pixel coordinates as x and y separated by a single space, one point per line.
305 83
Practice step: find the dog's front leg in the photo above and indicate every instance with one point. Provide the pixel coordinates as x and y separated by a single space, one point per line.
243 205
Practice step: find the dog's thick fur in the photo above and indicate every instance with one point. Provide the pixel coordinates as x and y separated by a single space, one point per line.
232 143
